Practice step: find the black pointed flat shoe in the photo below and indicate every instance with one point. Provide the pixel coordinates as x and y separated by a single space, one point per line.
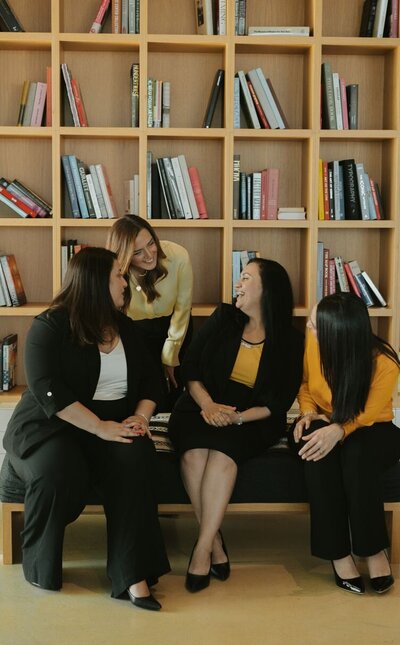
354 585
144 602
221 571
196 582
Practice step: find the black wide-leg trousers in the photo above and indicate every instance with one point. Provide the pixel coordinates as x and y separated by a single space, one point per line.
345 492
58 475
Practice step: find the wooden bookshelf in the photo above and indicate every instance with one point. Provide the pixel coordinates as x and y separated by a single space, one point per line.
169 48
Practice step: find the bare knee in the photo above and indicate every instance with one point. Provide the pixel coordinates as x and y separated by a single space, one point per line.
194 457
221 461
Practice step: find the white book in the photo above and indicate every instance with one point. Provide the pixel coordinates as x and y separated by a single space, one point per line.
136 194
204 17
341 274
236 270
157 104
262 97
337 100
103 185
278 31
181 188
380 16
256 195
374 289
362 191
131 16
67 80
236 102
173 187
248 100
98 191
222 17
93 195
4 288
166 104
270 98
189 188
64 261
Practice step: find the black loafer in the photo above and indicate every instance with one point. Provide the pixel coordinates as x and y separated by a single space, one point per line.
222 570
144 602
354 585
196 582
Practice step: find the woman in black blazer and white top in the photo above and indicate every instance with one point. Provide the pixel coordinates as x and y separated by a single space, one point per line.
84 421
242 373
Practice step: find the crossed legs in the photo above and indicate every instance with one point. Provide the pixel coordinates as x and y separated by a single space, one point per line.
209 477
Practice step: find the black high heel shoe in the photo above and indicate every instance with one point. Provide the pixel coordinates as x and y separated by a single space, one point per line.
354 585
195 582
380 584
144 602
221 571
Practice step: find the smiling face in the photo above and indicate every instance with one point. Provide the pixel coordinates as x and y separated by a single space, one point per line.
312 321
249 289
118 285
145 252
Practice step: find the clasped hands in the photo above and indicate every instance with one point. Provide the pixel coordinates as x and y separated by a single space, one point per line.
320 442
124 432
219 414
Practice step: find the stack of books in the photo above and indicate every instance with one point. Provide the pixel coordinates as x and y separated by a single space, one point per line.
380 18
8 362
255 194
16 198
339 105
255 94
239 261
75 102
35 96
12 292
158 103
174 190
88 189
346 191
291 212
335 275
8 19
210 17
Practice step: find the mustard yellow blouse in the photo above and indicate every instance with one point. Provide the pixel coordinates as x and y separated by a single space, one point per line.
315 395
247 361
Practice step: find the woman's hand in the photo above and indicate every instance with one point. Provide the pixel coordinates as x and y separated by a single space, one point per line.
320 442
304 423
169 372
113 431
138 424
217 414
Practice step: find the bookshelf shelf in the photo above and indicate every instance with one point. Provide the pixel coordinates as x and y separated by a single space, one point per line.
168 48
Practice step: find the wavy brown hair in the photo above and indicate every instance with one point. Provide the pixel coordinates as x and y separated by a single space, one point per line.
121 240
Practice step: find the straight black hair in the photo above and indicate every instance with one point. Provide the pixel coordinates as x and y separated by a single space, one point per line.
348 350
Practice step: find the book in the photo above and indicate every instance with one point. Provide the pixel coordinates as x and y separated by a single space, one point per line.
13 202
272 192
257 80
379 21
93 195
216 92
80 107
291 213
331 191
343 99
166 104
320 270
362 285
277 31
73 163
6 298
13 279
8 19
256 195
377 203
374 289
181 188
70 185
351 279
85 187
368 17
236 186
71 100
98 191
173 187
352 105
105 187
280 115
204 17
248 104
350 189
260 113
338 100
39 104
341 274
276 120
221 17
27 117
22 105
362 193
198 192
49 98
328 100
167 205
116 7
10 345
37 198
26 199
189 188
101 16
241 14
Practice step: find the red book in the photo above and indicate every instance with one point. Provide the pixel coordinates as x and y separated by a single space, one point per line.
49 102
264 194
375 199
351 279
79 103
272 193
257 105
198 192
13 279
98 22
332 276
326 189
11 198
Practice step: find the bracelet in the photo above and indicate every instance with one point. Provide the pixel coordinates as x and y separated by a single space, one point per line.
240 419
139 414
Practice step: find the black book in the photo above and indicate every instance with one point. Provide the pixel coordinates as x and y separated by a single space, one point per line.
331 191
8 20
216 91
352 206
388 19
352 105
166 190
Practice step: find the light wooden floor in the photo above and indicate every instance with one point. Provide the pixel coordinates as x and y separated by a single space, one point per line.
277 594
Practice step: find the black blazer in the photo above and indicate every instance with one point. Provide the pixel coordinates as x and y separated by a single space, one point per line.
60 372
212 354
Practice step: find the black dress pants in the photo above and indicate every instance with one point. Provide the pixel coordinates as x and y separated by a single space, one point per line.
58 475
345 492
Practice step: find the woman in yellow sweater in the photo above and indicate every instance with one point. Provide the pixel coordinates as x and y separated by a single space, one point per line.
159 293
347 438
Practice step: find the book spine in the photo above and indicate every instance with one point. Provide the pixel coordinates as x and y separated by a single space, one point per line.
236 186
38 105
69 181
256 195
362 191
106 190
83 122
198 192
375 199
131 16
93 196
341 274
352 103
67 80
27 118
149 183
16 203
116 16
22 106
320 270
394 25
5 291
236 102
362 285
157 104
73 162
242 17
166 104
351 279
325 273
272 192
370 202
49 98
351 197
263 120
379 22
264 193
331 191
248 103
188 185
277 31
9 361
221 17
374 289
280 115
328 100
204 17
338 100
263 92
181 188
216 89
169 205
150 83
98 191
97 24
124 17
169 172
16 279
9 280
135 95
343 99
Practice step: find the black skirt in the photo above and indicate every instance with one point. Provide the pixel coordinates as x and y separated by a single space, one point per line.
188 430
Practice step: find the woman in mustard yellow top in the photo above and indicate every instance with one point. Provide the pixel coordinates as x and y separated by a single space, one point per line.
347 438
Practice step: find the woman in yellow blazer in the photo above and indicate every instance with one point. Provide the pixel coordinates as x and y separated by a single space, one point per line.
347 438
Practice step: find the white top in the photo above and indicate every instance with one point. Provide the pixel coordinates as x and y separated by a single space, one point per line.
113 378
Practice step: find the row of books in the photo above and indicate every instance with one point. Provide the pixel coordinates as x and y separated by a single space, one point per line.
347 192
255 94
75 101
239 261
335 275
17 198
125 16
174 189
88 189
8 361
255 194
8 19
210 17
69 248
35 103
158 103
12 293
380 18
339 105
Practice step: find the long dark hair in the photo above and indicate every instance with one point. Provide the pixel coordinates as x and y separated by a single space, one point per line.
121 240
276 306
85 294
348 350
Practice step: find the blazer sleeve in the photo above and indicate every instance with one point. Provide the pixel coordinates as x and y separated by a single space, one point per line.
42 364
192 363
